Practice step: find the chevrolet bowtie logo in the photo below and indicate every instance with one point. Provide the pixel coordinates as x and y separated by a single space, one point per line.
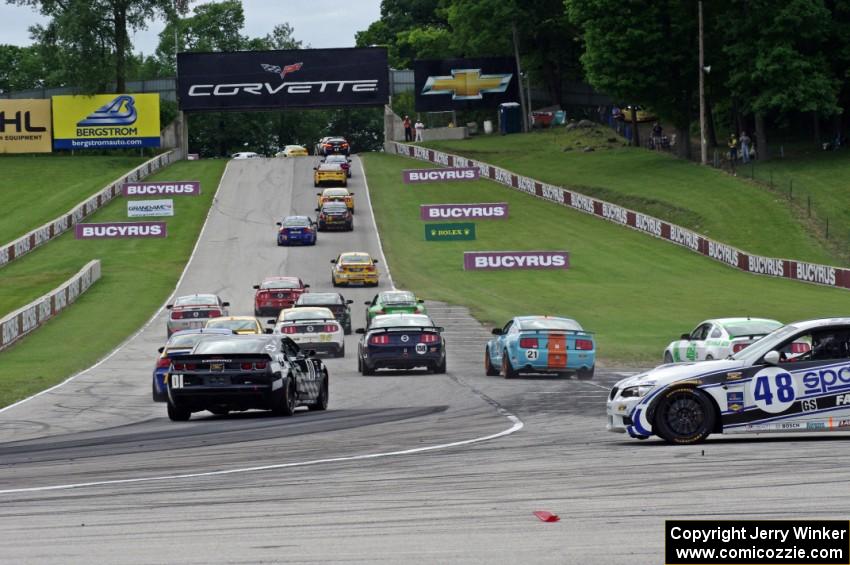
466 84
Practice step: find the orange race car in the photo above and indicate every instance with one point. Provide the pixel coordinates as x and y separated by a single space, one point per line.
336 195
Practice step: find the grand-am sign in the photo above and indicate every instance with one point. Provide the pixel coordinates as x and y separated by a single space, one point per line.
183 188
116 230
298 78
149 208
488 260
440 175
491 211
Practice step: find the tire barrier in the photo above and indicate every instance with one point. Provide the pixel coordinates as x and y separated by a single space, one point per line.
813 273
53 229
26 320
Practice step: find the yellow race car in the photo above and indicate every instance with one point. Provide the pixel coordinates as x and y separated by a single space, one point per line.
354 267
239 324
292 151
327 173
336 195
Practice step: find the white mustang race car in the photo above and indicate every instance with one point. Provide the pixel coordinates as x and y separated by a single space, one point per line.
312 328
767 387
718 339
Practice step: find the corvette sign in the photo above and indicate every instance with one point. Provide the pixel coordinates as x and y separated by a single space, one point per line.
274 80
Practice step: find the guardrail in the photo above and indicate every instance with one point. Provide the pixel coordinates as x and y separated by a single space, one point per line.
25 320
54 228
814 273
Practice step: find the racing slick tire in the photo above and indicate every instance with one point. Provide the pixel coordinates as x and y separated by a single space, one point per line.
709 358
684 415
178 414
321 402
440 369
489 369
346 329
507 369
585 374
340 352
365 370
667 357
285 400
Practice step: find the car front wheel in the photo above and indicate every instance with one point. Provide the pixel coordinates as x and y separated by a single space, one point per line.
684 415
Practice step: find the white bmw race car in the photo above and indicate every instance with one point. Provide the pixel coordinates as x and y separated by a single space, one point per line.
768 387
718 339
312 328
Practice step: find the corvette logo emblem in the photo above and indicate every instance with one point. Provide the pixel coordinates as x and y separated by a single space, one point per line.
467 84
282 71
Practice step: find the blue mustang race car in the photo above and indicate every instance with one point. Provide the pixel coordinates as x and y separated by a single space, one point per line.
179 342
401 341
540 344
296 230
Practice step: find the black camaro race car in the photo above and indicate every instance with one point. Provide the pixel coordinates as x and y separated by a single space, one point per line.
241 372
401 341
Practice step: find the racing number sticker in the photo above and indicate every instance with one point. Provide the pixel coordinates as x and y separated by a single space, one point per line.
531 354
773 390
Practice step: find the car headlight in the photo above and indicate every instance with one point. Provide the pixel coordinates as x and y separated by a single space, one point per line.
637 391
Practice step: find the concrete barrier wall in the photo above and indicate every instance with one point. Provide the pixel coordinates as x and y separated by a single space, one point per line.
825 275
53 229
25 320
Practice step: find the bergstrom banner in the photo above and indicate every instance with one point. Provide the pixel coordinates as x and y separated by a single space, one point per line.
464 84
274 80
149 208
106 121
25 126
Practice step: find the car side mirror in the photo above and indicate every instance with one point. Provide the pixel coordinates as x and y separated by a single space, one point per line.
685 336
351 194
375 261
225 304
349 302
772 358
315 168
271 321
496 331
169 306
360 331
160 350
333 261
420 302
268 331
256 287
368 303
309 353
318 209
306 286
278 224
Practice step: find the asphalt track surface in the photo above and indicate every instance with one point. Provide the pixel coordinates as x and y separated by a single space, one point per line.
402 468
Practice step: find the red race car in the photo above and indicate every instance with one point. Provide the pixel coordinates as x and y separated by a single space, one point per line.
276 293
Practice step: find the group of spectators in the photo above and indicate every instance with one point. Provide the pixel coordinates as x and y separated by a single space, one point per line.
743 144
408 129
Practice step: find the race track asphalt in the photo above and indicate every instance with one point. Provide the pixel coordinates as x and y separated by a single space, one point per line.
402 468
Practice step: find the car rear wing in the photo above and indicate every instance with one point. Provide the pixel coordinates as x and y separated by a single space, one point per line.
437 329
748 336
219 357
577 332
295 322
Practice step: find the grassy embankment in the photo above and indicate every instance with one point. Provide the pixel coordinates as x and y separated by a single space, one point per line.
138 275
706 200
637 293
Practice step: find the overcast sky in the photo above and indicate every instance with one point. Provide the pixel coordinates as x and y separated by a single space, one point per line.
319 23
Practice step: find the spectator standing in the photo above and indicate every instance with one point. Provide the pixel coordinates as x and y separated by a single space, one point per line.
420 127
408 129
733 151
656 136
745 146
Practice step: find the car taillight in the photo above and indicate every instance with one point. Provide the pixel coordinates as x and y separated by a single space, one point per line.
330 328
380 312
261 365
328 145
180 366
371 269
528 342
308 230
429 338
214 314
246 366
584 344
738 347
345 166
175 315
322 216
163 362
382 339
801 347
287 330
344 145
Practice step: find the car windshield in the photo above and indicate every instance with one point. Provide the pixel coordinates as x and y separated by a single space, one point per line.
751 327
232 324
329 167
562 324
335 207
186 341
398 297
336 159
319 298
281 283
227 346
294 148
755 351
336 192
393 321
196 300
296 221
355 258
307 314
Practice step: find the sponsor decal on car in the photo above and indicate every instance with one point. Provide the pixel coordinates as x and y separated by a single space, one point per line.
826 380
439 175
735 400
487 211
483 260
734 376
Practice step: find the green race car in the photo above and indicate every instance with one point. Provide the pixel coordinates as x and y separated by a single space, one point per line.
393 302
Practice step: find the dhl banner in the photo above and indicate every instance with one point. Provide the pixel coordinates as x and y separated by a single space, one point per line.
106 121
25 126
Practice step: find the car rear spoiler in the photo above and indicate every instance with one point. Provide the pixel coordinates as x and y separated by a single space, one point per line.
408 328
183 357
557 331
748 336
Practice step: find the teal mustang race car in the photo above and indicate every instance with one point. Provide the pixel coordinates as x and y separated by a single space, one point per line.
541 344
